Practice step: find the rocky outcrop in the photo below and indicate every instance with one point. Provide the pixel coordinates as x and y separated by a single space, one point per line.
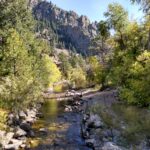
33 3
69 26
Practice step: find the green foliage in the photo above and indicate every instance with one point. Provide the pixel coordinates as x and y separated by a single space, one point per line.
77 77
136 89
65 66
104 29
95 73
15 69
51 73
25 67
73 68
129 69
117 16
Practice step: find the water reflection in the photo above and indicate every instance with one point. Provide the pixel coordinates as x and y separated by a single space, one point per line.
63 129
133 123
50 110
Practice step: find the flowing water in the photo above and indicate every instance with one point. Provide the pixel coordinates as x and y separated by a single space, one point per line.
127 126
62 130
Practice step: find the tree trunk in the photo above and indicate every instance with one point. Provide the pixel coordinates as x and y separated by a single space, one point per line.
149 40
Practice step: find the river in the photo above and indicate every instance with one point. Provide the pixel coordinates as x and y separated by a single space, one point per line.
126 126
63 129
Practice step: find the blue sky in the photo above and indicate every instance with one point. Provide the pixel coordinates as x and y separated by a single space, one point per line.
94 9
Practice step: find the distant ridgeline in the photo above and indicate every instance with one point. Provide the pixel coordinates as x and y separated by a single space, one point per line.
64 29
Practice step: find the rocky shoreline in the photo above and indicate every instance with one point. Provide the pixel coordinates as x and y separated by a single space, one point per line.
20 128
92 128
91 123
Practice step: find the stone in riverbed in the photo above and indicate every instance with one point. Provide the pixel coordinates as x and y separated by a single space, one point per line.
2 134
3 139
94 121
39 115
86 117
68 109
31 133
26 127
30 119
43 131
86 134
90 142
22 115
31 113
13 119
110 146
20 132
14 144
23 146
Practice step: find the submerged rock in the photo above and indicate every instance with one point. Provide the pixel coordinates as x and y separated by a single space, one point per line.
43 131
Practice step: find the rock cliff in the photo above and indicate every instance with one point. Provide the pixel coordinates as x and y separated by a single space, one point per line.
70 27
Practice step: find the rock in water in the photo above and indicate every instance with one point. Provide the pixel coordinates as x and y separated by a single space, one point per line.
15 144
94 121
110 146
26 127
43 131
22 115
90 142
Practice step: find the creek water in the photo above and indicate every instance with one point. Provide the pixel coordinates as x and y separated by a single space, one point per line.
126 126
62 130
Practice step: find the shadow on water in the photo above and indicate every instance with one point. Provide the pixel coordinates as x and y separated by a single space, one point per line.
57 130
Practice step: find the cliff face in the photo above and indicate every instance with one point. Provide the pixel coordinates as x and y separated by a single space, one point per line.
73 28
33 3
